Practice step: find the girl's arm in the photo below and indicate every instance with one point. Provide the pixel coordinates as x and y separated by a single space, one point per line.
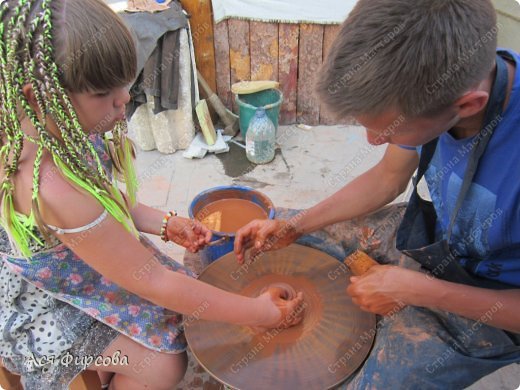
147 219
183 231
119 256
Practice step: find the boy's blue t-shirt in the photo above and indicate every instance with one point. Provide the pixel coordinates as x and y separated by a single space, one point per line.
486 233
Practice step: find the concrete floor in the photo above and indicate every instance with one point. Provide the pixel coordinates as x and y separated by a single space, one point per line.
311 165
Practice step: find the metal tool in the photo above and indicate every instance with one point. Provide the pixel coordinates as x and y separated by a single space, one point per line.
220 241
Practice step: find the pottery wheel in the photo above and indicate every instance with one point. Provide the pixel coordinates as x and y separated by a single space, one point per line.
330 343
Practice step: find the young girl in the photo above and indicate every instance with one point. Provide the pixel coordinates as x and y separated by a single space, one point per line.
77 278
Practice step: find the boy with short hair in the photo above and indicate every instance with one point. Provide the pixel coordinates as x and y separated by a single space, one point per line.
425 77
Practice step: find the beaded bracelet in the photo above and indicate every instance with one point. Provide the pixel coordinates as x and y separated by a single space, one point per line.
164 226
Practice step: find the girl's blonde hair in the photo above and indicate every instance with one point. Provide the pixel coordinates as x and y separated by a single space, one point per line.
58 47
94 49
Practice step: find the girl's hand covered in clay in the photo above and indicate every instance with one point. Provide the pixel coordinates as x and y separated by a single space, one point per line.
282 312
188 233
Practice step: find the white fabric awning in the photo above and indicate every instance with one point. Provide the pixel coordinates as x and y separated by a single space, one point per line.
284 11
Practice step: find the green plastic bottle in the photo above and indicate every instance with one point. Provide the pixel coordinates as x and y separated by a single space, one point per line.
260 138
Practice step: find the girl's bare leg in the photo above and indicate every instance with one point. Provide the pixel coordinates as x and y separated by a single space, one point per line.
146 369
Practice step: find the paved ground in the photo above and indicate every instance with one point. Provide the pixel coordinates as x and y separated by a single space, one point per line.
310 165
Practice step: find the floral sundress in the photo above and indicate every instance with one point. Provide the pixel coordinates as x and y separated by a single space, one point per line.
54 305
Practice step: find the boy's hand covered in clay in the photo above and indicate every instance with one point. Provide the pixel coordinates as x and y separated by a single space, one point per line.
264 235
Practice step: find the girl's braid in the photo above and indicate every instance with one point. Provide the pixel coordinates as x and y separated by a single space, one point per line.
26 56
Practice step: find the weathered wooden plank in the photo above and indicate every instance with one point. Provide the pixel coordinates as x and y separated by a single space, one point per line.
201 22
288 35
239 57
310 57
222 63
264 50
329 34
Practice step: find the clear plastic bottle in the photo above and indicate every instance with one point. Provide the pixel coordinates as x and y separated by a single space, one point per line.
260 138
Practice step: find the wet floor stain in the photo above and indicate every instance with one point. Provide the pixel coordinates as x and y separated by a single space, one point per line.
235 162
278 152
250 182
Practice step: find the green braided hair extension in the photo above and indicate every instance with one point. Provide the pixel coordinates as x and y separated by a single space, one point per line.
12 135
122 152
27 57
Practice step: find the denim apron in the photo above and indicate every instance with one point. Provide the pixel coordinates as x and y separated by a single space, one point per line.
416 239
416 234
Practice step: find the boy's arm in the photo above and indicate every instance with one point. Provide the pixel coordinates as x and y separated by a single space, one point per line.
498 308
383 286
368 192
